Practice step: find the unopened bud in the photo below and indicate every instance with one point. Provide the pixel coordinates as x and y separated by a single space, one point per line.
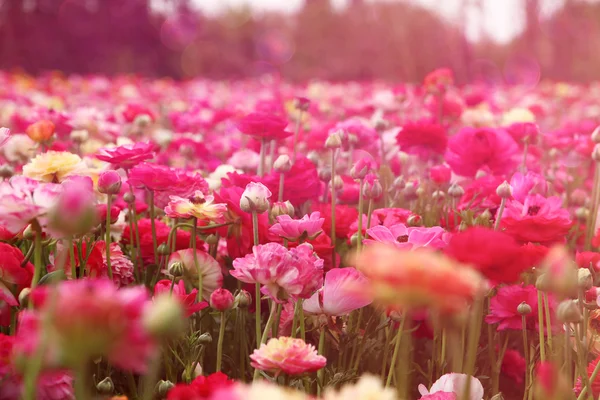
243 299
29 233
142 120
338 183
212 240
24 297
165 317
313 157
282 164
129 198
582 214
497 396
163 249
325 174
280 208
205 338
109 182
524 309
163 387
255 198
585 280
542 282
360 169
105 386
438 195
410 191
6 171
334 140
176 269
221 300
568 312
399 183
354 240
504 190
372 191
414 220
456 191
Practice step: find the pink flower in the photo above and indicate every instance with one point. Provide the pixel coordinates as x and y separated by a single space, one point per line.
187 300
89 319
152 177
528 184
293 230
287 355
339 296
198 206
221 300
440 396
203 264
55 386
423 138
455 383
122 267
263 126
109 182
472 149
255 198
310 271
184 185
127 155
440 174
503 307
409 238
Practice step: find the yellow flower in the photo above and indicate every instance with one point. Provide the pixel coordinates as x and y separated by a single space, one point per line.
54 166
517 115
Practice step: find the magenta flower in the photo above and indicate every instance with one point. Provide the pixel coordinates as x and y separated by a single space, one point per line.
339 296
287 355
152 177
307 227
188 300
264 126
528 184
185 184
127 155
408 237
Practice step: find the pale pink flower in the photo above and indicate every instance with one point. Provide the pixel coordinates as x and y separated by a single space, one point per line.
198 206
307 227
310 271
255 198
89 319
4 135
245 159
455 383
528 184
339 296
408 238
122 267
208 267
287 355
22 200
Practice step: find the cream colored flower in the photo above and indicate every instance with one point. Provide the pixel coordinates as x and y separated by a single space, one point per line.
54 166
517 115
19 148
368 387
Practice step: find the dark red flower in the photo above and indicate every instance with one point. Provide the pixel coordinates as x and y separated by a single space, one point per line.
132 111
586 259
423 138
114 213
11 273
200 388
514 365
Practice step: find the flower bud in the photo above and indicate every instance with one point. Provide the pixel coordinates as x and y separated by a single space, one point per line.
243 299
6 171
221 300
29 233
79 136
162 388
568 312
212 239
334 140
165 317
399 183
176 269
497 396
142 121
205 338
163 249
109 182
282 164
105 386
129 198
325 174
524 309
372 190
504 190
584 279
301 103
582 214
282 208
338 183
360 169
40 131
414 220
313 157
255 198
24 297
438 195
456 191
410 191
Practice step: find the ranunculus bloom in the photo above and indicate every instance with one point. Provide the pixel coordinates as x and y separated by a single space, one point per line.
408 238
514 366
221 299
287 355
122 267
40 131
308 227
153 177
473 149
202 264
455 383
198 206
201 388
528 184
12 274
439 80
595 384
440 174
416 279
186 183
181 238
344 217
127 155
423 138
263 126
54 166
503 307
187 300
367 387
338 297
495 254
536 219
88 319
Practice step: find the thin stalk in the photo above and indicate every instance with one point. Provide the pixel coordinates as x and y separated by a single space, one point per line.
136 268
474 333
296 131
592 379
321 372
591 222
360 214
257 315
333 205
525 150
396 350
81 383
499 213
526 354
297 307
271 156
548 324
37 254
263 151
275 331
263 339
196 265
150 378
72 259
581 359
281 182
443 351
386 350
541 326
152 226
107 236
302 327
220 342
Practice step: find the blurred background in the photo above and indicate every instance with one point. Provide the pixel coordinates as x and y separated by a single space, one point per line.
514 41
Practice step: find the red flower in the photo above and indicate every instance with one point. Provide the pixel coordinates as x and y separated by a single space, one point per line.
438 80
200 388
514 365
132 111
595 384
182 238
344 218
187 300
263 126
423 138
534 254
586 259
440 174
472 149
495 254
11 273
350 191
481 193
114 213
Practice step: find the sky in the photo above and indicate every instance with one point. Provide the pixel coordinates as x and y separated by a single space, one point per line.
501 20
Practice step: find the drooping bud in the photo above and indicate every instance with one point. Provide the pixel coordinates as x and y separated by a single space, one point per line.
212 240
568 312
438 195
524 309
255 198
163 249
243 299
334 140
221 300
282 164
504 190
205 338
109 182
282 208
105 386
165 317
456 191
162 388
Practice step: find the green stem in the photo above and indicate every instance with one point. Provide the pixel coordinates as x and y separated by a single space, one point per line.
541 326
72 259
196 265
321 372
396 350
257 315
360 214
153 228
263 151
548 324
474 333
107 237
302 327
592 379
499 213
255 228
37 254
296 316
526 354
81 384
150 378
275 331
386 350
333 195
220 342
281 182
263 339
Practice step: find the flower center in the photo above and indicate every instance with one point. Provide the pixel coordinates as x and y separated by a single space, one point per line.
533 210
402 239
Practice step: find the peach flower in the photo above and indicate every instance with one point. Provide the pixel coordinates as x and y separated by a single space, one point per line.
287 355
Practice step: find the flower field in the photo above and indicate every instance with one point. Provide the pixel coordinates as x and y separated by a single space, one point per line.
258 239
